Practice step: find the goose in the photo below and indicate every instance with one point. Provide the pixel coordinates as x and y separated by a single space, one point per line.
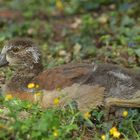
89 85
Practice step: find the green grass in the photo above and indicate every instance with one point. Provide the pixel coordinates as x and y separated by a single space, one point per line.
24 120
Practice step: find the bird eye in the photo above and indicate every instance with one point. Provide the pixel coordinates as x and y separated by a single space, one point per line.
15 50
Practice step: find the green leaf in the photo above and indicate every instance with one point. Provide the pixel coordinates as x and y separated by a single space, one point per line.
137 51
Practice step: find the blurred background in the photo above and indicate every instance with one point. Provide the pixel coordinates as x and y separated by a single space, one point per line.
76 30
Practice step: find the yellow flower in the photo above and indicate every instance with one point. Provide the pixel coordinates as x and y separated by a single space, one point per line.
103 137
55 133
112 130
116 134
31 85
59 5
37 86
8 97
87 115
38 94
125 113
56 101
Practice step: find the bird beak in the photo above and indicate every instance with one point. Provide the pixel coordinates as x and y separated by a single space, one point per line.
3 61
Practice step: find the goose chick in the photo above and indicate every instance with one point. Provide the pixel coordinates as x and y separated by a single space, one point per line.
87 84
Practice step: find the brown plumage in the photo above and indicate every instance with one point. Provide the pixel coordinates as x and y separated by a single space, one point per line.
90 85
